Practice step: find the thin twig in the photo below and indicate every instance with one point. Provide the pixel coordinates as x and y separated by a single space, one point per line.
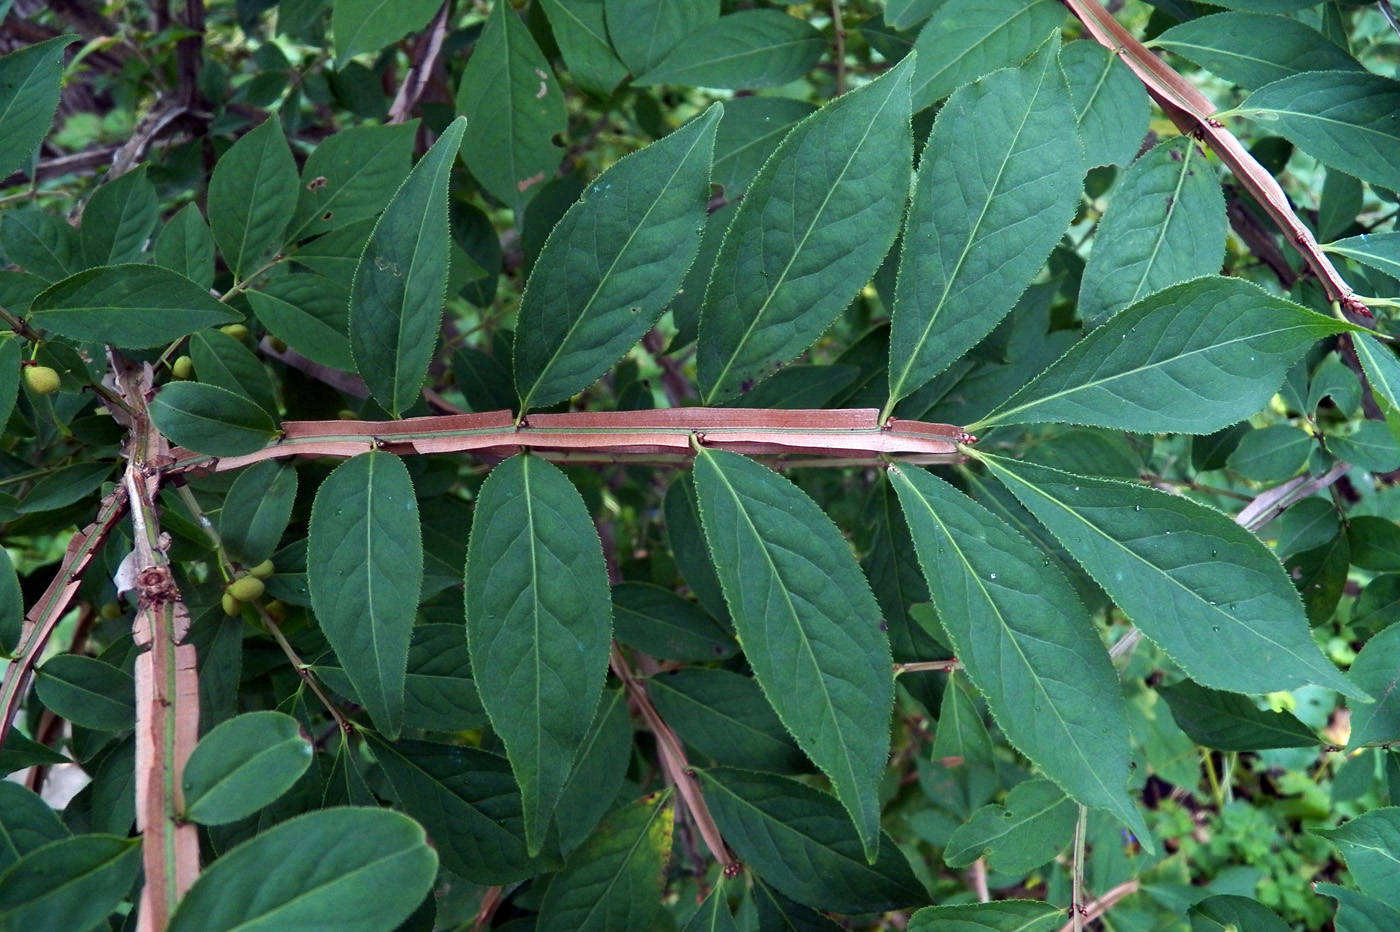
425 59
838 27
977 873
1076 906
1269 505
1103 904
303 669
924 666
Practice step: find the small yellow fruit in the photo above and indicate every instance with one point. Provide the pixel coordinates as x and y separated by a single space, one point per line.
276 610
262 570
345 414
183 369
41 380
246 589
231 605
237 331
277 345
110 610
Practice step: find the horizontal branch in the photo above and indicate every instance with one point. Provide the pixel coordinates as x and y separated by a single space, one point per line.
610 436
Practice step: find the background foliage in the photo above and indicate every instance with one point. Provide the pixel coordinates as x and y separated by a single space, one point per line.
283 648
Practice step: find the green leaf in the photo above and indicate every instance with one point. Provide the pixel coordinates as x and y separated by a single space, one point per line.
11 607
369 868
1375 543
256 511
335 254
30 80
1380 365
597 778
1205 589
44 245
401 281
129 306
1109 101
87 692
1254 49
1026 643
351 176
364 561
1192 358
18 752
612 882
579 26
470 805
792 259
68 885
798 839
118 220
363 26
906 14
1374 672
1165 224
713 914
748 50
226 362
961 732
64 486
998 183
777 912
1231 722
514 108
539 623
1371 844
1345 119
309 313
808 622
612 263
660 623
1271 454
752 128
26 823
1001 916
252 194
895 577
643 31
243 764
186 246
1370 445
686 541
208 419
1032 827
1381 251
725 717
966 39
1357 912
439 693
1224 913
1341 201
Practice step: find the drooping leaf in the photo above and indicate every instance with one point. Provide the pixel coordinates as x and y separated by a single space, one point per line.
64 486
401 281
643 31
1357 912
118 220
11 606
961 732
725 717
749 49
1165 224
226 362
1109 101
69 884
580 28
592 789
1371 844
1225 913
369 868
310 314
252 194
664 625
351 176
1381 251
612 881
1231 722
1205 589
713 914
792 259
130 306
966 39
905 14
186 246
1025 641
1254 49
798 839
539 620
612 263
776 911
209 419
1349 120
256 511
87 692
1381 367
1191 358
242 765
470 805
361 26
998 183
42 244
26 823
1033 826
808 622
1370 445
514 108
364 562
29 87
1000 916
749 132
1374 672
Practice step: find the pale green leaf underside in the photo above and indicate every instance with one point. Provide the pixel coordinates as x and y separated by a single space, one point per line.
539 623
807 621
1381 251
1205 589
1026 642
